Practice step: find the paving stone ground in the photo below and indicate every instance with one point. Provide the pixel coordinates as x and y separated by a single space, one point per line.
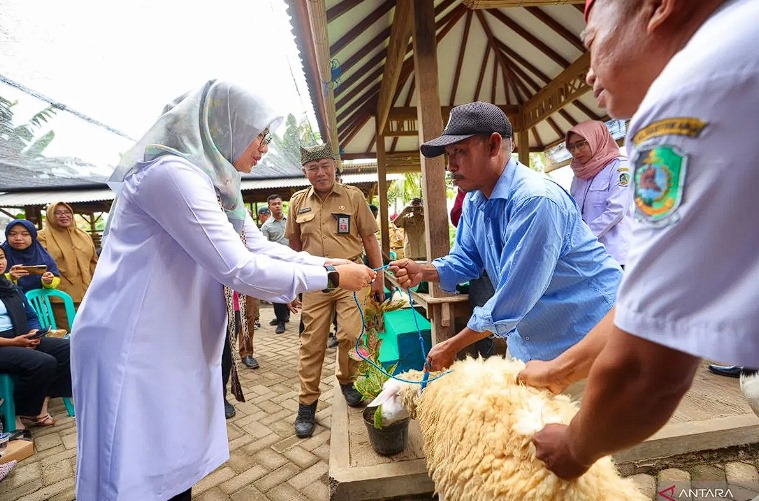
268 462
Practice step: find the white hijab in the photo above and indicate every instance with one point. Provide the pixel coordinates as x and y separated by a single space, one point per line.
211 127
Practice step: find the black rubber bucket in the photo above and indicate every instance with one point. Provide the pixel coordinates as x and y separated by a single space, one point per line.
389 440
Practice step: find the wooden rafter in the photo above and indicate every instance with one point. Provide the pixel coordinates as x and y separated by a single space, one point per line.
362 26
407 102
555 127
529 37
534 132
368 79
356 128
338 10
561 91
557 27
494 84
521 81
585 109
377 41
494 4
348 112
402 122
499 61
449 21
524 62
377 59
396 52
460 61
361 71
566 116
348 127
365 98
402 112
483 66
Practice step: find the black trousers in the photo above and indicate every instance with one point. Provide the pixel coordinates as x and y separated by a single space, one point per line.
480 291
281 312
40 372
185 496
226 360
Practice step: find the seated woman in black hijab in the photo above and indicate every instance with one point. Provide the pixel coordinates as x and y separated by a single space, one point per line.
40 364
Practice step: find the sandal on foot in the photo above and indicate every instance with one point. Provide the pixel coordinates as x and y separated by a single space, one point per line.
45 420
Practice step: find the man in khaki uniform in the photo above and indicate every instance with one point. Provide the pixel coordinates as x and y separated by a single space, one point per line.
411 219
331 220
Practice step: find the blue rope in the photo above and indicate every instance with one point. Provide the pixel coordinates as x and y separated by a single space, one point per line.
426 377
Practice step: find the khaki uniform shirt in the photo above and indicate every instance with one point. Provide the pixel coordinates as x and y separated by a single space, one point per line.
413 225
332 227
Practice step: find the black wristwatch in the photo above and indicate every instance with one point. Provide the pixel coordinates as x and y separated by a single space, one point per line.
333 278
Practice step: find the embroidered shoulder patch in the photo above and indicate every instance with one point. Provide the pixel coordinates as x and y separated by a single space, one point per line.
659 182
680 126
624 177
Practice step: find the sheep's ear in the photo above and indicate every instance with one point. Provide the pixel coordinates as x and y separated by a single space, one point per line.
388 392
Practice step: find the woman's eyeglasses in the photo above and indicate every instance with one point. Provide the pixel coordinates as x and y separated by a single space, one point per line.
63 213
576 146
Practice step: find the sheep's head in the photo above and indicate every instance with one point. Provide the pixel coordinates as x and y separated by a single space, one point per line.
399 397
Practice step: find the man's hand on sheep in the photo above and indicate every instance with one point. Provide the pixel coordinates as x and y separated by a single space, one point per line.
541 374
553 447
441 356
408 272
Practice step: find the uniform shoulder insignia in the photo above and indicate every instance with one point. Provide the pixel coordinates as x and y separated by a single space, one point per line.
678 126
659 182
624 177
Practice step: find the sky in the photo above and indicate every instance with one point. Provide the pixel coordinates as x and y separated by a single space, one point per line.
121 62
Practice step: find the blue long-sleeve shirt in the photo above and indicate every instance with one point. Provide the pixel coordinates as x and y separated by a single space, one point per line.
553 281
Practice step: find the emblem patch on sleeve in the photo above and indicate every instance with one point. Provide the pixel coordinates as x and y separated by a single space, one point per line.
659 182
624 176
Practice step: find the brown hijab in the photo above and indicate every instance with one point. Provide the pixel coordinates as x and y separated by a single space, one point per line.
73 251
603 148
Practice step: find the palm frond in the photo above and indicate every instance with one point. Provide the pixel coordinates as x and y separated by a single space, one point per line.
35 149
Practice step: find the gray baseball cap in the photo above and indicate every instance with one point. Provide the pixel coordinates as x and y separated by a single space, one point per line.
468 120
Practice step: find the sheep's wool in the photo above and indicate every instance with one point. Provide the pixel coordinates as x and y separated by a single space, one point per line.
478 425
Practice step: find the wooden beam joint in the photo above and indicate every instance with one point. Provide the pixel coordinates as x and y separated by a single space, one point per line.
559 93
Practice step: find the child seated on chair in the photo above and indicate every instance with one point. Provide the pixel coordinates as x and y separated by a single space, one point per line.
40 364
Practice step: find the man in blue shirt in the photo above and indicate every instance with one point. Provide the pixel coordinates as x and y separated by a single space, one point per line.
553 281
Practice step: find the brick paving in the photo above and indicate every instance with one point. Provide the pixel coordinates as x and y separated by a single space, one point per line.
268 462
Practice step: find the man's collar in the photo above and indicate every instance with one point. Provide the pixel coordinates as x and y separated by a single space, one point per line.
502 186
337 187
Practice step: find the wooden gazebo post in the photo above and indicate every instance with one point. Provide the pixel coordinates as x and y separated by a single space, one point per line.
382 192
430 125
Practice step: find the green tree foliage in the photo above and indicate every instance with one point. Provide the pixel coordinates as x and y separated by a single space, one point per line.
286 149
18 140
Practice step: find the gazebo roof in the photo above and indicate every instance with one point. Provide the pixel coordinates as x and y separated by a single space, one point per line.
528 59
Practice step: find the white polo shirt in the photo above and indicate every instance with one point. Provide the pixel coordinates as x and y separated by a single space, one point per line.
692 281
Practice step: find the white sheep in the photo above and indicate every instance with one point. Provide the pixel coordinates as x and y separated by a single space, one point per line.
478 423
750 389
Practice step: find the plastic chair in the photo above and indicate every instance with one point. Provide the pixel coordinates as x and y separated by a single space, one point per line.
7 408
40 301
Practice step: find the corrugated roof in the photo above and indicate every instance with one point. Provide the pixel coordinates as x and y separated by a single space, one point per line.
44 197
47 197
